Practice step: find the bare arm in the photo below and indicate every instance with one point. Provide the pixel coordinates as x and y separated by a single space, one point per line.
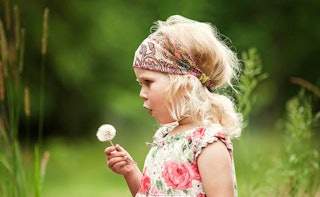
120 162
216 170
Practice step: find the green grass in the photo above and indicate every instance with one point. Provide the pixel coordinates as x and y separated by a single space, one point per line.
255 156
78 168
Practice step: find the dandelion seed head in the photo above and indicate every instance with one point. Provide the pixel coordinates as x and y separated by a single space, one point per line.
106 132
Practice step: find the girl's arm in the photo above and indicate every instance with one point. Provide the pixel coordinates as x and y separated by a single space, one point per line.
120 162
215 169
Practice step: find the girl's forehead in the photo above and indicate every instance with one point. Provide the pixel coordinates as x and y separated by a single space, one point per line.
142 73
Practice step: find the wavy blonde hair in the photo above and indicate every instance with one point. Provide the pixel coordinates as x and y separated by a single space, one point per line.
214 58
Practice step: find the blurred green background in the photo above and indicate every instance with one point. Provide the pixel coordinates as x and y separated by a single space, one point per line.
91 46
89 80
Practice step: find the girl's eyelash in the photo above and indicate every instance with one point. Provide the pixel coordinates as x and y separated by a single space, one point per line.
144 81
147 82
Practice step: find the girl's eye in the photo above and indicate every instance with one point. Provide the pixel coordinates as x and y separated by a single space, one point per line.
147 82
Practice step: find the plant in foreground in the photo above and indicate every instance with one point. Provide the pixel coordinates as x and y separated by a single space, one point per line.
301 162
15 173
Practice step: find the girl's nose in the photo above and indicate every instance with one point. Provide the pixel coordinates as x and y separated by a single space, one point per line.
143 94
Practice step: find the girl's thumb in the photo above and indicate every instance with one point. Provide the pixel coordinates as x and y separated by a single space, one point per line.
119 148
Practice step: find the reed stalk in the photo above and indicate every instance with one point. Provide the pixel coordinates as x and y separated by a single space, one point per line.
13 97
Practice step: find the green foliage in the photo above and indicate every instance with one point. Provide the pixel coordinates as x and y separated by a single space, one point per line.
252 74
14 169
92 46
13 175
247 81
250 78
298 161
301 165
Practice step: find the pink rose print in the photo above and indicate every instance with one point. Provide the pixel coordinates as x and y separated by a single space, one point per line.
178 175
145 183
201 195
195 170
199 133
221 135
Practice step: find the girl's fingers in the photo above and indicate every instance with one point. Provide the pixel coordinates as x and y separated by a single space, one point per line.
116 164
112 151
119 148
109 149
126 155
116 158
116 154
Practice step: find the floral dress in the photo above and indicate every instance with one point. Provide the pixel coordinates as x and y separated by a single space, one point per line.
171 168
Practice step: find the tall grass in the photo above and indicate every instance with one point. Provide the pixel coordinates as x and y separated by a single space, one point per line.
295 170
14 100
300 167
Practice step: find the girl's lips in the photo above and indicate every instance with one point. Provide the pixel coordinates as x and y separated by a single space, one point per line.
150 111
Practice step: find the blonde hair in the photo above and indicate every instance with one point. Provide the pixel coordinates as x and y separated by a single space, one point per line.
214 58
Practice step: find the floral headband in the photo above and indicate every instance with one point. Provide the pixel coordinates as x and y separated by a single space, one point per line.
158 53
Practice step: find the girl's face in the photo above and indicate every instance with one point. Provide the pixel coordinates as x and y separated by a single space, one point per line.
153 86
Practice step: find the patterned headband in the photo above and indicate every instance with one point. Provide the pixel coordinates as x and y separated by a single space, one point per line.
159 53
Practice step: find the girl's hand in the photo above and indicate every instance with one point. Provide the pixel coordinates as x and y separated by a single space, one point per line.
119 160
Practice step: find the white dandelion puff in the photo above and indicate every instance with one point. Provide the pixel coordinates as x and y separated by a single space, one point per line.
106 132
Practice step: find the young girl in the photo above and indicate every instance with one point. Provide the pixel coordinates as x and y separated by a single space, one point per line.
179 66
